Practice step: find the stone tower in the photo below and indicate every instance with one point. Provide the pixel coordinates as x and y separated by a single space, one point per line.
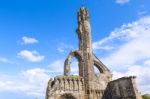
87 60
88 85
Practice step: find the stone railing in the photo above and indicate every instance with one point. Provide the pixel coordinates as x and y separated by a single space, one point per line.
67 83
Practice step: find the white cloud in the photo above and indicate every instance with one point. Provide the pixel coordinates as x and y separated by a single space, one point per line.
61 50
130 43
32 82
62 47
147 62
122 1
32 56
130 54
29 40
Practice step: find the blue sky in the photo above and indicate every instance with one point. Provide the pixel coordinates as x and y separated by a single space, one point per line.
37 35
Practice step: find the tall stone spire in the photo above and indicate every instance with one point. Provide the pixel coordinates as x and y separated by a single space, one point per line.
84 54
85 44
84 30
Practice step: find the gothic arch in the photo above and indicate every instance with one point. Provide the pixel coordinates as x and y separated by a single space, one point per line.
67 67
67 96
99 65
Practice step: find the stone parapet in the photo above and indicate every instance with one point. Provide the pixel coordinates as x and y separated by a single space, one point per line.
65 85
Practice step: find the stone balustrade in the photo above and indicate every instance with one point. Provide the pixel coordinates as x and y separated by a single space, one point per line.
68 83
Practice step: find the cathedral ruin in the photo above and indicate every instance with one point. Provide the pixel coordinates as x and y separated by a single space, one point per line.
88 85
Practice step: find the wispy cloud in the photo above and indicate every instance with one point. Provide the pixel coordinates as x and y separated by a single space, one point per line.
142 13
32 56
31 82
57 65
6 60
133 46
28 40
130 54
122 1
62 47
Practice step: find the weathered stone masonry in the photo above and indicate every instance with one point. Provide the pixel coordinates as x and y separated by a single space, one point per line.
88 85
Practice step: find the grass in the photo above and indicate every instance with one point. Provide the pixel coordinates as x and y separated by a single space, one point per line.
72 76
146 96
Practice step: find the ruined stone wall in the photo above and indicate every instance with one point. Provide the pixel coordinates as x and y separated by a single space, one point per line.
123 88
65 85
99 85
94 94
74 86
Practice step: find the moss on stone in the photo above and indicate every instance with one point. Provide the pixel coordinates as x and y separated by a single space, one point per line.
72 76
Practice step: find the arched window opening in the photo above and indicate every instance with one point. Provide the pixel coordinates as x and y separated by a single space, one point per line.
71 65
74 66
67 96
96 71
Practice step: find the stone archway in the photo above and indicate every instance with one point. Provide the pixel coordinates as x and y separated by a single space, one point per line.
67 96
67 67
100 66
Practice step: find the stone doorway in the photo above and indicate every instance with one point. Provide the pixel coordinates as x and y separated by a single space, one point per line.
67 96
